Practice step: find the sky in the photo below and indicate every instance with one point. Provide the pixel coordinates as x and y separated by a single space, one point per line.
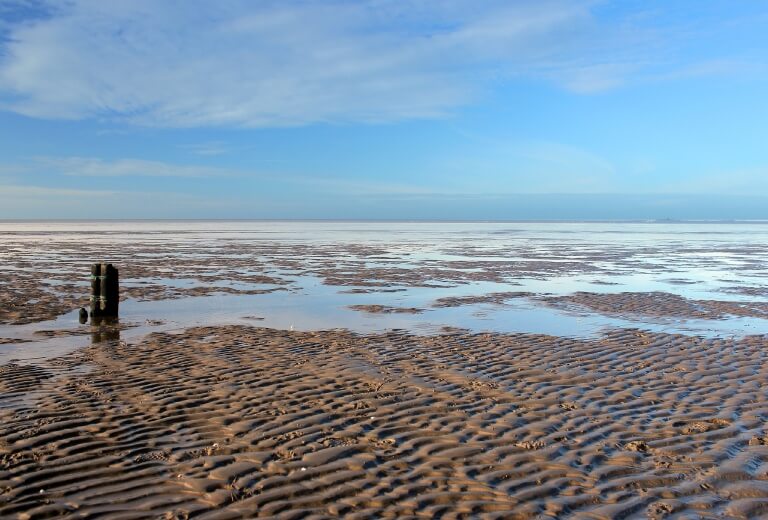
384 109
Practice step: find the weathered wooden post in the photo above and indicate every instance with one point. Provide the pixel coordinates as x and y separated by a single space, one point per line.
95 288
113 291
105 291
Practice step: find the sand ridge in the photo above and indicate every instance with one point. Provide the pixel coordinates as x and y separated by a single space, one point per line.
385 309
495 298
234 422
658 304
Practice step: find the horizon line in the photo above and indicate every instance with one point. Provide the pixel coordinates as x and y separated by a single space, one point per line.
405 220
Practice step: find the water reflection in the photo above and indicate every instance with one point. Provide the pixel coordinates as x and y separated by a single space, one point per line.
695 261
105 329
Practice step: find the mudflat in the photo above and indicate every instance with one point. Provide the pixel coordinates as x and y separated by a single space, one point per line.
317 370
230 422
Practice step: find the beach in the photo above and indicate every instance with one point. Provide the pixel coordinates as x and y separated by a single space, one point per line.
386 370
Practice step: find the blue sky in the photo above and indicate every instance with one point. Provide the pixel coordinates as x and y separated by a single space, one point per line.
384 109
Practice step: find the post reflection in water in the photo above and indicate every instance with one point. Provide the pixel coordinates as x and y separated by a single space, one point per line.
104 329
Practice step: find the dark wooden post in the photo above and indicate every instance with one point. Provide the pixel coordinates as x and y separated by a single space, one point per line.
113 291
105 291
95 289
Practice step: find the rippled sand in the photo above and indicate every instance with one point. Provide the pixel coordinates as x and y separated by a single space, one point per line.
595 419
231 422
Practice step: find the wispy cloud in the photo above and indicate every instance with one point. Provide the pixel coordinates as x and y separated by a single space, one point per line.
715 67
351 187
750 181
94 167
15 192
593 78
491 165
129 167
31 201
256 64
209 148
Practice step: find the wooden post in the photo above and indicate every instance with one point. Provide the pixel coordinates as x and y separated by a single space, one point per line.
105 290
113 291
95 289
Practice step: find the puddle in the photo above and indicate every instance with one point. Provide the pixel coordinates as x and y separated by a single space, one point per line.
696 261
316 307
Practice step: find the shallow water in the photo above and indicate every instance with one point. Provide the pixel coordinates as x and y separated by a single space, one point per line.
694 260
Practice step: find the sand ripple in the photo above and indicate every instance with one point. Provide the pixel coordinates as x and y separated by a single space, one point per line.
241 422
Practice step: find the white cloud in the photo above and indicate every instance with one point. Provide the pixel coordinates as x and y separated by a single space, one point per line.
242 63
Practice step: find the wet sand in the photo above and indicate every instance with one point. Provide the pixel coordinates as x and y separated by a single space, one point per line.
240 421
658 304
236 422
46 265
385 309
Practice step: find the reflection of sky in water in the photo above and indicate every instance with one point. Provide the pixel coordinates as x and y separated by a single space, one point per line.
191 283
696 261
316 306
